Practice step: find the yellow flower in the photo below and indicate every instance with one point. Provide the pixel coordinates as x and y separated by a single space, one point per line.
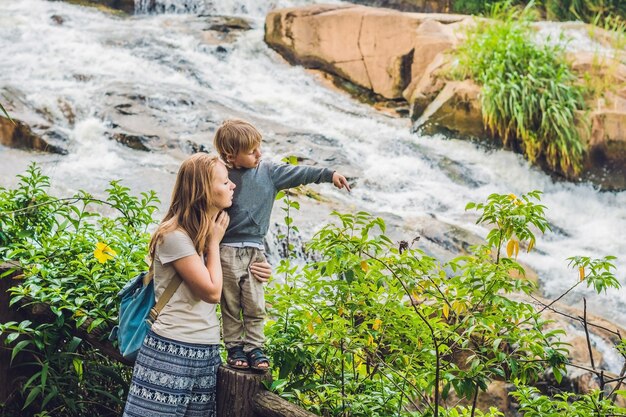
377 324
103 252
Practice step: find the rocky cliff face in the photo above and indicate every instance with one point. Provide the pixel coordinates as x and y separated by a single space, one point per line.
403 56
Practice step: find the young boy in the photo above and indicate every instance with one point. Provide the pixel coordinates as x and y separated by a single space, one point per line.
257 183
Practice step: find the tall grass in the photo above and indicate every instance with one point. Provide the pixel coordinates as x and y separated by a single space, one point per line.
561 10
585 10
530 97
614 25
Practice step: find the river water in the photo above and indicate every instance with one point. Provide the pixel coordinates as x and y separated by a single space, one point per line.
193 84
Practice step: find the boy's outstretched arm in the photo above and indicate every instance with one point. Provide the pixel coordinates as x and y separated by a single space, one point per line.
287 176
340 181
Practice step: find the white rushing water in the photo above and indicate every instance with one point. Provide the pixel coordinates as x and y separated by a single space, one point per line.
190 81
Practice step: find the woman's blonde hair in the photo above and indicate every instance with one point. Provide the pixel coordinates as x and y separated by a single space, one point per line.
192 200
234 136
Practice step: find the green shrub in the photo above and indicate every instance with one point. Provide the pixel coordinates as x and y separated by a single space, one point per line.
532 403
372 329
75 260
530 97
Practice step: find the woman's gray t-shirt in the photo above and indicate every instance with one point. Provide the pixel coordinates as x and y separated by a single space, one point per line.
185 318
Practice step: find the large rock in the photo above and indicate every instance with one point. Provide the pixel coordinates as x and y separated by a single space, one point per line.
127 6
606 137
607 141
17 134
379 49
607 147
422 90
32 128
456 109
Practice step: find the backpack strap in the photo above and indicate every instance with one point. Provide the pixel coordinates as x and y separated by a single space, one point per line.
167 294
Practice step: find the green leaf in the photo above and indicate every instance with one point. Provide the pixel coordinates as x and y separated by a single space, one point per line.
18 348
44 375
52 394
32 395
11 337
78 367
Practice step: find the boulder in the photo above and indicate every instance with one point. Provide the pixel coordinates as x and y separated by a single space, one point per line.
135 123
29 128
126 6
456 109
220 30
608 135
17 134
421 91
379 49
605 160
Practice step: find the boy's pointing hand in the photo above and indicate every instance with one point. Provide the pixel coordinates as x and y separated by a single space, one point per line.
340 181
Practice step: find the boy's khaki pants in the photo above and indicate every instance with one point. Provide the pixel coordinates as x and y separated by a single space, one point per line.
243 298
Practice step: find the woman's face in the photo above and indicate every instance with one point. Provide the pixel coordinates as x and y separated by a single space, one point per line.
222 187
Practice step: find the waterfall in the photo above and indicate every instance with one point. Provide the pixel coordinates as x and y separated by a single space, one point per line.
170 6
250 8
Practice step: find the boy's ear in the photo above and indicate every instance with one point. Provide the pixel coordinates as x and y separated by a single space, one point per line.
230 158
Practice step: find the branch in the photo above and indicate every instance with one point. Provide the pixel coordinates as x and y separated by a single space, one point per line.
558 298
587 333
548 306
620 380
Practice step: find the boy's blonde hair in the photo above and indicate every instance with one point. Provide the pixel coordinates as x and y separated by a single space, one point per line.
234 136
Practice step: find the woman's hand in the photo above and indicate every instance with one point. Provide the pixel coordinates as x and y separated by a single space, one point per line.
220 223
262 271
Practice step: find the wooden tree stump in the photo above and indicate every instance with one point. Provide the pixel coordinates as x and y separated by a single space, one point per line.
267 404
236 390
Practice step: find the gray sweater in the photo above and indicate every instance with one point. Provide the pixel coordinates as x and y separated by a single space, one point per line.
255 194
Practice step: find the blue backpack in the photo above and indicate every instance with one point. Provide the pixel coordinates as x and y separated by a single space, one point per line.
138 311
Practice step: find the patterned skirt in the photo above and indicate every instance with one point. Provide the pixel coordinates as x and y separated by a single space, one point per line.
173 378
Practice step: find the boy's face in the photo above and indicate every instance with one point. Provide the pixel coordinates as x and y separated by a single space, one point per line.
246 159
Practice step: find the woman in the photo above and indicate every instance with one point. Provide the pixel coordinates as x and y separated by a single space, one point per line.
176 369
